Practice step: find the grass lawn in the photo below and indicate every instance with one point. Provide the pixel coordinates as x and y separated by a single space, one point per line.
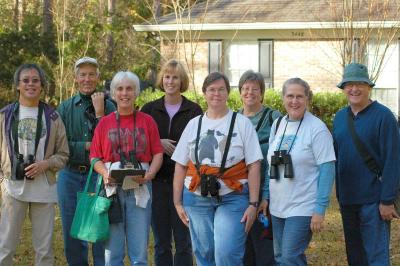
326 248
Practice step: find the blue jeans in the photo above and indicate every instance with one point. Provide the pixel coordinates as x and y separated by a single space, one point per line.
291 238
76 251
134 231
165 224
218 236
367 236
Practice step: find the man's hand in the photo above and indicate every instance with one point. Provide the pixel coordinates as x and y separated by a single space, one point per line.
36 169
317 223
98 103
168 145
388 212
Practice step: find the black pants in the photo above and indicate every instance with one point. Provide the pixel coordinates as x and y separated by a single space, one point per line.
165 224
259 249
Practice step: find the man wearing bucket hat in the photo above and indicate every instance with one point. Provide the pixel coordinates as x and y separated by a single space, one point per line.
366 196
80 114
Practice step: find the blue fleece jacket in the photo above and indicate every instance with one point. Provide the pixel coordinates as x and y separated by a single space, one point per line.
377 128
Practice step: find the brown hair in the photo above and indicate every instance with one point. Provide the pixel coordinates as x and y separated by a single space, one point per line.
174 65
214 76
257 77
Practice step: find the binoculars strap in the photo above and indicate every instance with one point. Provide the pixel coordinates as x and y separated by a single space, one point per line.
227 145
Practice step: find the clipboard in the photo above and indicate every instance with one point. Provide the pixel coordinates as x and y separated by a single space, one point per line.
120 174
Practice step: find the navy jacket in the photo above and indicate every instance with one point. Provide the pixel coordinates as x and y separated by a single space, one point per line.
377 128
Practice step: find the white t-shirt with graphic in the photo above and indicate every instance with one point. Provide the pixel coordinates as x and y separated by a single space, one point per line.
213 137
37 190
312 146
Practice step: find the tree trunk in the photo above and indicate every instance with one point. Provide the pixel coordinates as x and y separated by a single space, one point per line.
19 9
47 17
110 38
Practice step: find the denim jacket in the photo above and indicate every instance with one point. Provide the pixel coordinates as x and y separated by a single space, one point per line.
56 145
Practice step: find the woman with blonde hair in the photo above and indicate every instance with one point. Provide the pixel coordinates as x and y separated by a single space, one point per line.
171 112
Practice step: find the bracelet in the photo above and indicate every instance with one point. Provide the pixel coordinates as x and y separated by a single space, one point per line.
254 203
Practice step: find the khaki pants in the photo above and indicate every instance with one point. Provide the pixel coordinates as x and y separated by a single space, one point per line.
12 218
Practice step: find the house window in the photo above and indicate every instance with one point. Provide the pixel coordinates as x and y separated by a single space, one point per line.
214 56
240 56
265 62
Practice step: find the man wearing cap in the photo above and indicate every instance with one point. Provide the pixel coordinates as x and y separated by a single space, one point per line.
80 114
365 196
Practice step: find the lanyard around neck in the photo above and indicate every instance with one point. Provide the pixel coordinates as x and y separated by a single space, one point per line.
121 155
15 124
283 136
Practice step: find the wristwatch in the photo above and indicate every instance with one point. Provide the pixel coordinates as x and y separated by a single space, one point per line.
254 203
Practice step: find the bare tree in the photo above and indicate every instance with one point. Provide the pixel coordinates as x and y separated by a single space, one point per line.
366 29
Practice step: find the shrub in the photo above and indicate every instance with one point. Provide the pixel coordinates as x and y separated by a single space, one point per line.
324 104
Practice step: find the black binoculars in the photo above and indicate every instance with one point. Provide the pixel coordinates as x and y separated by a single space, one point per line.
281 157
132 163
19 165
209 184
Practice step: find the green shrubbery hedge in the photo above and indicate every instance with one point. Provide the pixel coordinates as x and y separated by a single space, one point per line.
324 104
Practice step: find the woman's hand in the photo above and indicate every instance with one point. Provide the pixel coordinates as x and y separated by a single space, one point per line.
317 223
249 217
263 207
182 214
168 145
107 179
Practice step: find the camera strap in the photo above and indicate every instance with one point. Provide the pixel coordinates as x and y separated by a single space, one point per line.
362 150
284 131
121 154
15 124
227 145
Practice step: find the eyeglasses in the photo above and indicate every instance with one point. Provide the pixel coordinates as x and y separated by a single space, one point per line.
215 91
91 75
34 81
247 89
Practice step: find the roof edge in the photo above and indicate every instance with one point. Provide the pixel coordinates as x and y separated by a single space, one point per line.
265 26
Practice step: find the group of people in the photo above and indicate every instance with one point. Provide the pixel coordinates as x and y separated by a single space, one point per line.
209 177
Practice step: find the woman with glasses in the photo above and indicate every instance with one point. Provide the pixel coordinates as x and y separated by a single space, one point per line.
121 138
301 159
259 247
216 180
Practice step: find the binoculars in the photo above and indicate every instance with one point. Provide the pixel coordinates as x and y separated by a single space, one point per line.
209 184
132 163
279 158
18 169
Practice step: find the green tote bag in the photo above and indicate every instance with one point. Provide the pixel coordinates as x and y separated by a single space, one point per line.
90 221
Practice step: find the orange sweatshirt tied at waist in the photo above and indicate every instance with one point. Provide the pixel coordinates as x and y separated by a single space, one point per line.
230 177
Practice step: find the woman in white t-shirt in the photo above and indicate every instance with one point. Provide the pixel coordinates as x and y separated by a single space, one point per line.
219 206
301 158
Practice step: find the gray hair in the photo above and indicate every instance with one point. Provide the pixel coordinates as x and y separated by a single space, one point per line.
117 79
42 75
298 81
257 77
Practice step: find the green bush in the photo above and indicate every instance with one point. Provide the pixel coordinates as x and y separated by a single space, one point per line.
324 104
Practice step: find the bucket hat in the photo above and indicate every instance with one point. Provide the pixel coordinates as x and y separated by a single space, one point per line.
355 72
